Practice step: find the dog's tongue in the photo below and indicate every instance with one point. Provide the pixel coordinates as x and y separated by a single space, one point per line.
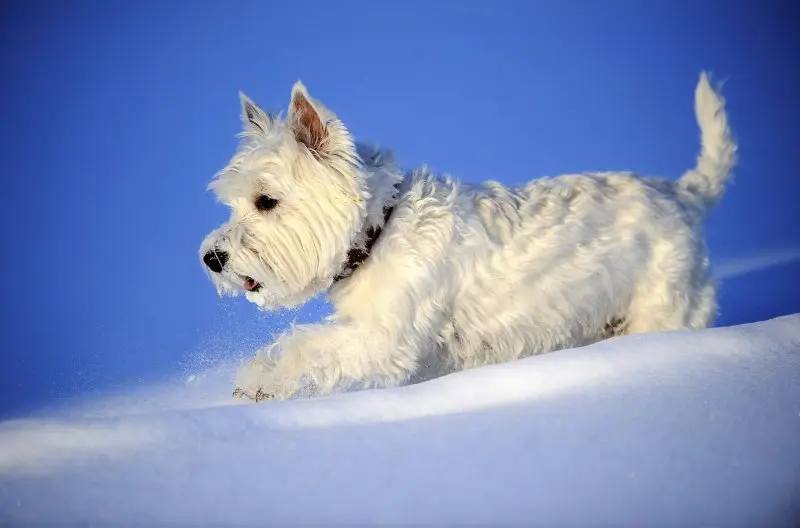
251 284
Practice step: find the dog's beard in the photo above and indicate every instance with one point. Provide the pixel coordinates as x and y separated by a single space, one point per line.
269 272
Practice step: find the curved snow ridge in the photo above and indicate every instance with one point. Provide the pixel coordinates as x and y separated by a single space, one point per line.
672 429
654 358
38 446
201 405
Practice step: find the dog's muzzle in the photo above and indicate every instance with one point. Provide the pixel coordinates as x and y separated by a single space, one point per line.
215 260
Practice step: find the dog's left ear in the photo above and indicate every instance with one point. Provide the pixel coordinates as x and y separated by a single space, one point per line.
305 120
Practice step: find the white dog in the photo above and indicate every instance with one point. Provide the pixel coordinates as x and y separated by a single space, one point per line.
429 275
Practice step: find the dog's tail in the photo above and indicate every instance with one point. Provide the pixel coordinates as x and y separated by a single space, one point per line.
706 181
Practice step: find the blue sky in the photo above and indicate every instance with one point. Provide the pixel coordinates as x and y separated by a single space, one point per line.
116 115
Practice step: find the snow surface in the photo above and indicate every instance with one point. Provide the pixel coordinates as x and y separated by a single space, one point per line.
672 429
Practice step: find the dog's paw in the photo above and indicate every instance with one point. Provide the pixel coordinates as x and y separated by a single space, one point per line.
259 395
263 378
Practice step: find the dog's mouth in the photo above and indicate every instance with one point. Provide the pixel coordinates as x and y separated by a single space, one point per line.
252 285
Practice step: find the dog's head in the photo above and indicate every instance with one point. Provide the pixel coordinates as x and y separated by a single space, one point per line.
299 199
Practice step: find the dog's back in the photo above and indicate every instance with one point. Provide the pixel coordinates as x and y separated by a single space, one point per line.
577 258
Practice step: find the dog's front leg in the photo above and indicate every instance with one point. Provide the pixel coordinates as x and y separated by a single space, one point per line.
326 355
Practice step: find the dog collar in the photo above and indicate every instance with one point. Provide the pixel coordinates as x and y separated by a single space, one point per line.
357 255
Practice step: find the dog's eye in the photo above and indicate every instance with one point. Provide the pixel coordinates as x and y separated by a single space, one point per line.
265 203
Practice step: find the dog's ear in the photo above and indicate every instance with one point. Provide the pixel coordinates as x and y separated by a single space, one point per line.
305 120
253 117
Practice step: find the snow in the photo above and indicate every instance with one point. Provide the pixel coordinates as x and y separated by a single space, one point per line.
671 429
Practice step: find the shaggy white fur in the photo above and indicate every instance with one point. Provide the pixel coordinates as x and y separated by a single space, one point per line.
460 275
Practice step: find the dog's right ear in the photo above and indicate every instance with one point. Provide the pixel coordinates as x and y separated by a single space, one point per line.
254 118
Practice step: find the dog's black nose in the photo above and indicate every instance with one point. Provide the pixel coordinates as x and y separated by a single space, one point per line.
215 260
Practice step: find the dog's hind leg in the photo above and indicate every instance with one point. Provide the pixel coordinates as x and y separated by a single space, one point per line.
617 326
672 305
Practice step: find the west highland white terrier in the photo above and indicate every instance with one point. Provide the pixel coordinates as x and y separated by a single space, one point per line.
429 275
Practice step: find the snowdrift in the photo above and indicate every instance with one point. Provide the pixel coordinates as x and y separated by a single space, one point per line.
678 429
